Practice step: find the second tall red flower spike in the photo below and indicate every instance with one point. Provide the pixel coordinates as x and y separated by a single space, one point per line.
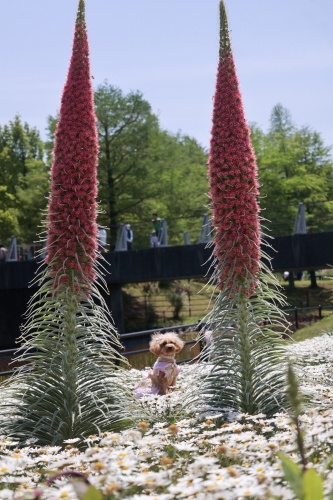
233 178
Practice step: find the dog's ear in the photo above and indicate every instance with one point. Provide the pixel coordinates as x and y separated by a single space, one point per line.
178 343
154 345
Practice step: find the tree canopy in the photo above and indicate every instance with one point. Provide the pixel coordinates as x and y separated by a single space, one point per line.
294 166
24 180
144 169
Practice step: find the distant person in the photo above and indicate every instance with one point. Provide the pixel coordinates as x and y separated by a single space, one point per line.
101 240
157 224
3 253
154 243
129 236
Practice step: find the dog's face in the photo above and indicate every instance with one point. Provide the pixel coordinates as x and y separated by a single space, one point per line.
168 344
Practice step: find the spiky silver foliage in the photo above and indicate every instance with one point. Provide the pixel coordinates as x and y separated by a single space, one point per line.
172 407
65 388
248 354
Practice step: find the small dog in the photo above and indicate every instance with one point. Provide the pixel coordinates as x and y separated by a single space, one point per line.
165 371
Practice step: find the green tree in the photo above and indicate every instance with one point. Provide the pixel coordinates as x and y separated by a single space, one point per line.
127 131
48 145
8 215
183 186
143 169
23 180
294 166
31 196
19 143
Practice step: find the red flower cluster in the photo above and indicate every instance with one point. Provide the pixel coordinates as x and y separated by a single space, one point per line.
233 181
71 228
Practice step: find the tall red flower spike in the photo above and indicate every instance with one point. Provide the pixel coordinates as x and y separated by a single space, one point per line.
71 220
233 178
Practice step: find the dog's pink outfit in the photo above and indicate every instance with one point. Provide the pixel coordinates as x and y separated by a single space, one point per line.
165 364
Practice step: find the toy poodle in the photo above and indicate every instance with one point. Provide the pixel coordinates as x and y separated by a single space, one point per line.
165 371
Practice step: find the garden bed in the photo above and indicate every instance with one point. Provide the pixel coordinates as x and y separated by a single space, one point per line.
182 451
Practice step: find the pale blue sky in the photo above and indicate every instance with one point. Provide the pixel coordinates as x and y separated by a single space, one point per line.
168 50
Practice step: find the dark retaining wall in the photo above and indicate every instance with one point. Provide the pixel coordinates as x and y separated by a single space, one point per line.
299 252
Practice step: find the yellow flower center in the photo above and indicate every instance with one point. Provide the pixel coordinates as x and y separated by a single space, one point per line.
99 466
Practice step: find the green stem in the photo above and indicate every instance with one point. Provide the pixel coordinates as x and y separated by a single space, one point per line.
300 445
70 358
247 395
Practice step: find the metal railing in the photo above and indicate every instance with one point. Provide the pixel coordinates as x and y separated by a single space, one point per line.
144 333
294 316
6 354
295 313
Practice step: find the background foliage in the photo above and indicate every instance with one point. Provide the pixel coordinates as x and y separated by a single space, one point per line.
294 166
143 168
24 180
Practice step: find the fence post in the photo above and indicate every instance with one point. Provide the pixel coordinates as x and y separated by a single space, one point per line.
146 312
296 318
319 309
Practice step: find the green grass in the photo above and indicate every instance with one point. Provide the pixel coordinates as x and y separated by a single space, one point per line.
303 293
315 330
146 312
155 311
